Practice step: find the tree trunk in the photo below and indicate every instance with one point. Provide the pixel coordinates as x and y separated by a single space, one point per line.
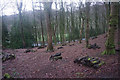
43 42
87 34
87 27
110 45
19 7
22 33
56 25
47 6
96 21
81 30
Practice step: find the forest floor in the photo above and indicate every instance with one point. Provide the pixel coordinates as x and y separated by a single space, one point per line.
37 64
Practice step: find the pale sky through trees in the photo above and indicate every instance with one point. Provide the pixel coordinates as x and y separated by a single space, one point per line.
8 7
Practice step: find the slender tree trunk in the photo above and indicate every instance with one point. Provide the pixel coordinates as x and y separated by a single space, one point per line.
110 45
96 20
22 33
81 30
56 25
19 7
54 35
87 34
42 31
47 6
34 24
43 42
87 27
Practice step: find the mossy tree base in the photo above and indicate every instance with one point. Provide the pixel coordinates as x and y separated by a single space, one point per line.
110 45
108 52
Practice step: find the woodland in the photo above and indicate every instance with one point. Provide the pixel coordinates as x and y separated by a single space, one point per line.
71 40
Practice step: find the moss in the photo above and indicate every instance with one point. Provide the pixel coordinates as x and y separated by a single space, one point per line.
108 52
101 63
94 61
89 59
113 21
110 45
104 52
6 75
89 46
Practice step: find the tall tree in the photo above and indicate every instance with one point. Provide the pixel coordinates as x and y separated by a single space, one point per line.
110 45
5 34
43 42
81 30
19 7
81 19
56 25
96 20
87 27
34 23
62 23
72 22
47 8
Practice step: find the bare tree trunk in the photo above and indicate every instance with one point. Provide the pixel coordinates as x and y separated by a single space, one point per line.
56 25
81 30
43 42
87 33
19 6
47 6
22 33
87 27
35 27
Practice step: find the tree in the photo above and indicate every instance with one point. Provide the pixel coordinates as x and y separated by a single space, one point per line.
72 22
81 23
110 45
96 20
56 24
87 27
19 7
5 35
47 8
34 23
43 42
62 23
81 30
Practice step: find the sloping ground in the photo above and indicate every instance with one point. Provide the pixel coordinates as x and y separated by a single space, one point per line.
37 64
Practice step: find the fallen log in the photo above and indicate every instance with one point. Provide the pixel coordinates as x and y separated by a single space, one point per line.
94 46
55 56
60 47
96 66
6 57
71 44
88 61
40 47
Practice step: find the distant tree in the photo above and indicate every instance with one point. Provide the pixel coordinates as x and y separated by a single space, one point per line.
19 8
87 27
41 22
62 23
5 35
34 24
96 20
81 30
47 8
56 24
81 18
113 22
